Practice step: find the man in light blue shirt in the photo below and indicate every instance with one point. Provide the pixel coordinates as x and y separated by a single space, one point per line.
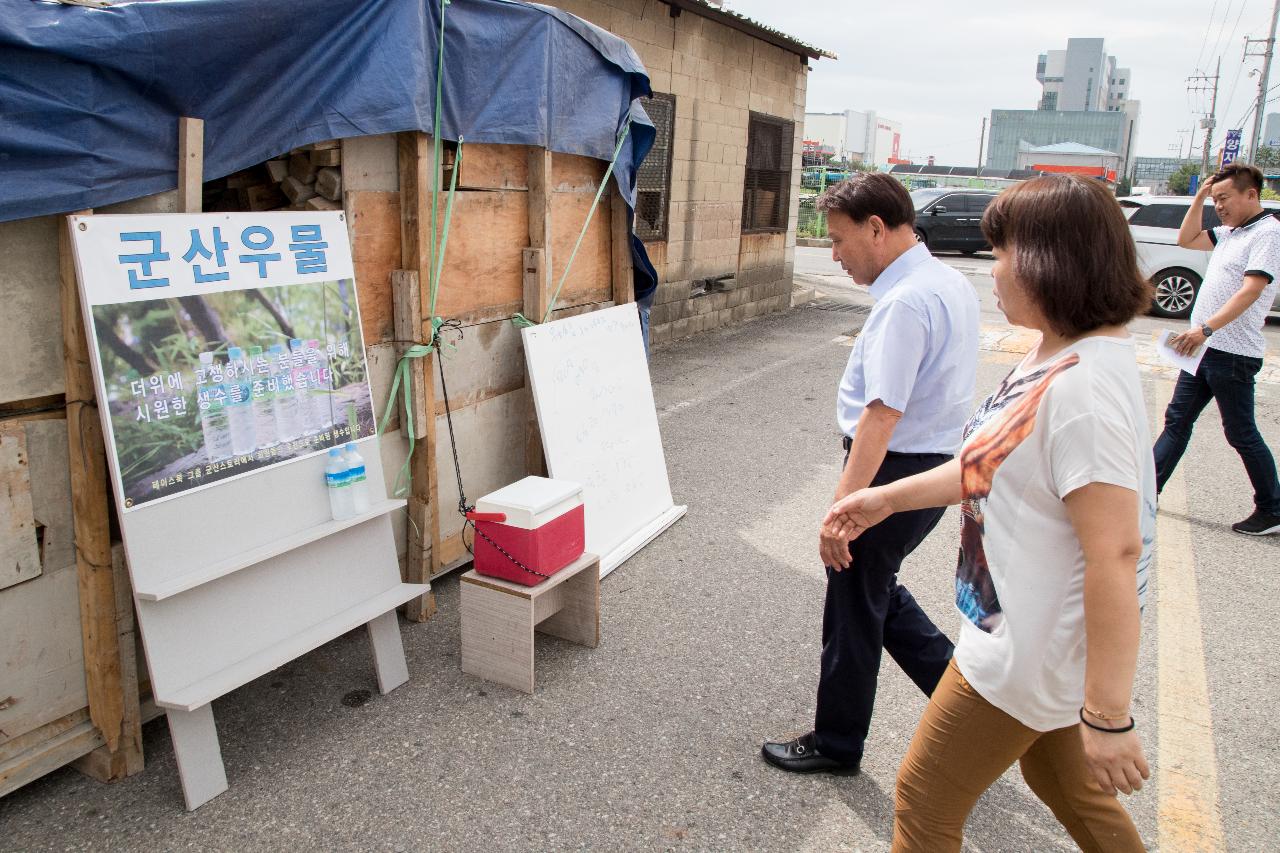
902 404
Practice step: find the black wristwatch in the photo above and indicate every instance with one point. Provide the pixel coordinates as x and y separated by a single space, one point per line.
1208 332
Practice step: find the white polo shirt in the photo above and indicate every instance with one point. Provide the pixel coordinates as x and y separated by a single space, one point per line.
1250 249
917 353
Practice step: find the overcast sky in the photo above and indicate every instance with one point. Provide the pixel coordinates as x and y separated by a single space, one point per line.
939 66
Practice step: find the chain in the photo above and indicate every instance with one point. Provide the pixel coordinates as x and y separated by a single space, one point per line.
463 506
503 552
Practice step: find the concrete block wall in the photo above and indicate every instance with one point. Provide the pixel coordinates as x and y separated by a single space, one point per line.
718 76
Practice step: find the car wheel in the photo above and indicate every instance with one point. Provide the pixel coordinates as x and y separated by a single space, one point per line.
1175 293
922 237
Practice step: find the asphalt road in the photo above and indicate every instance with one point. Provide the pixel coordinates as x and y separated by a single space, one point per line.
710 645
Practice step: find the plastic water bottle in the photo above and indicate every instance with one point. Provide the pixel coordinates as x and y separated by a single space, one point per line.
302 389
213 416
283 400
322 393
240 404
359 483
264 414
339 485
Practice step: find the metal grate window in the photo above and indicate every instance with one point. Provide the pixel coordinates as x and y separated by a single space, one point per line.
653 179
767 188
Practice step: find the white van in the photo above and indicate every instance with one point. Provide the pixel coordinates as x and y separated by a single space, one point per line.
1154 221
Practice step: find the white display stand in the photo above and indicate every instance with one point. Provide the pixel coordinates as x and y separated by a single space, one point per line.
599 427
237 578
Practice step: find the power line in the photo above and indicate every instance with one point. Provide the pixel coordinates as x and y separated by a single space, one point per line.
1205 40
1222 28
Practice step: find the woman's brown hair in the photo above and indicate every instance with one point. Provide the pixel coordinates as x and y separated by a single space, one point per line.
1070 246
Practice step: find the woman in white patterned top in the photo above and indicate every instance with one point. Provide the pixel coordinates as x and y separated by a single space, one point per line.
1057 489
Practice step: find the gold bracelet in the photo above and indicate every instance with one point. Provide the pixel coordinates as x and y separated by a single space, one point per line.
1123 715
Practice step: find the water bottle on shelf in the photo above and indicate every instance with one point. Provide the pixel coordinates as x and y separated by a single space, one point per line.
240 404
302 388
284 401
213 415
264 415
322 387
359 483
339 485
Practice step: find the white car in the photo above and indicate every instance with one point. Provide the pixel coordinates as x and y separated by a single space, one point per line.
1176 272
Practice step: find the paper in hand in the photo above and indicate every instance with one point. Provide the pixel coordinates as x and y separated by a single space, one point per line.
1170 356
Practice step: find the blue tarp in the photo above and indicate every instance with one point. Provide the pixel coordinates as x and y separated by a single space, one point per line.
90 98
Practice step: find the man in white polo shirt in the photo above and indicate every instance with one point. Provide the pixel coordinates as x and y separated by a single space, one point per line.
903 401
1230 311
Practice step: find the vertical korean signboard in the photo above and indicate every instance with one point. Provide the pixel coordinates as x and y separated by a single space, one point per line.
1231 148
225 344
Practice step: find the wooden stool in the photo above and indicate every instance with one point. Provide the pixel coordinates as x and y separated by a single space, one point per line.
499 617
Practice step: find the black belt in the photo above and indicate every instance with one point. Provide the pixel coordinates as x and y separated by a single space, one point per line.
848 443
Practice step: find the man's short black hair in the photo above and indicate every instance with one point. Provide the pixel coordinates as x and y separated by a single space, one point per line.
1243 176
867 194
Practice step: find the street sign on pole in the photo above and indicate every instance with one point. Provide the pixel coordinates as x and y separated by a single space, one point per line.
1231 148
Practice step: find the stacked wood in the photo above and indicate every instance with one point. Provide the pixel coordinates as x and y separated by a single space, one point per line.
306 178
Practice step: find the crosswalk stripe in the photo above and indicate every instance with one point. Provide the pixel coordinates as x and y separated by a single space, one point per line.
1186 762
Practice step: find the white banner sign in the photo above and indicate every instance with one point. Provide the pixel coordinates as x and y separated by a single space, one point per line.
133 258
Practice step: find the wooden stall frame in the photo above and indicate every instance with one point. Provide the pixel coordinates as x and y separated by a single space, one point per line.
423 559
111 681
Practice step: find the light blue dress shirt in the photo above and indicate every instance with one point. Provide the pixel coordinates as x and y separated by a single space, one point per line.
917 353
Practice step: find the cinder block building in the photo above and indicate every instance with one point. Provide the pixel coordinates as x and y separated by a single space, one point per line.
718 196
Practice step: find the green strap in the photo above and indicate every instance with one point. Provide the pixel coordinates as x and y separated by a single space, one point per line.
523 322
404 478
444 236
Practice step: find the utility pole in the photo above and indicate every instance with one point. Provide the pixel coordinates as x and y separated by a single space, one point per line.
982 140
1255 139
1200 83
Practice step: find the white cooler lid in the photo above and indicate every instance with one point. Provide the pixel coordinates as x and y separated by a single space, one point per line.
533 501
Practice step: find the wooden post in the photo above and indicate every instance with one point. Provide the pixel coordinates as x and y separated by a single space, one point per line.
406 298
111 708
423 556
620 237
537 282
540 189
190 165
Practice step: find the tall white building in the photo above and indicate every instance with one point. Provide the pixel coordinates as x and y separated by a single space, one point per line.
1082 78
864 137
1080 86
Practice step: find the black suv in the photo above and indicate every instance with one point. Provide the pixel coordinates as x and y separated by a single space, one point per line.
950 218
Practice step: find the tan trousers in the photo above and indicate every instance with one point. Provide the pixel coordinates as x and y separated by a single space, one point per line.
964 744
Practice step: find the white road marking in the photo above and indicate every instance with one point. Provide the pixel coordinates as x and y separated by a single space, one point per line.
1186 763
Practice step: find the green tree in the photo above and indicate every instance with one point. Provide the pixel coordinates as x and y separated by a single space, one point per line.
1267 158
1125 187
1180 180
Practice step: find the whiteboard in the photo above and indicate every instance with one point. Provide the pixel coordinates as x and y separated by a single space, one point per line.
592 391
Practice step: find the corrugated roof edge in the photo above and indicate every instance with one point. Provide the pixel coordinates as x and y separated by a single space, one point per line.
742 23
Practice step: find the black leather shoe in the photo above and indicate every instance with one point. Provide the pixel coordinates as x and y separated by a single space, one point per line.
801 756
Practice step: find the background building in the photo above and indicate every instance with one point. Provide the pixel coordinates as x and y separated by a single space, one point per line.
1154 172
1070 158
717 199
1271 130
1084 100
857 136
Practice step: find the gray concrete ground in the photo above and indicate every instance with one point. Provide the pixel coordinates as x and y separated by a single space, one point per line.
710 644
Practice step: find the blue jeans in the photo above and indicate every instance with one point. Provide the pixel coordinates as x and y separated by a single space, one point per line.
1227 378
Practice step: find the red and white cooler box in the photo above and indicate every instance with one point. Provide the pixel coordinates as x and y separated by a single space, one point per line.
544 529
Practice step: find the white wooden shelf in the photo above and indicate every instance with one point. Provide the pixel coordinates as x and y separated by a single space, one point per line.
242 672
211 572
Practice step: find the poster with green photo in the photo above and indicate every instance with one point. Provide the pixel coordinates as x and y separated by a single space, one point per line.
203 388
